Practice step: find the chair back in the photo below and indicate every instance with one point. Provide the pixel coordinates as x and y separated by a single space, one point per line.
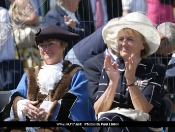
4 98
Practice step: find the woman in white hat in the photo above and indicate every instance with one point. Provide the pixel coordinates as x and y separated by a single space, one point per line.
55 90
130 82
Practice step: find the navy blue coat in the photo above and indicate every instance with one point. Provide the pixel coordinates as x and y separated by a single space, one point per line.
90 46
146 71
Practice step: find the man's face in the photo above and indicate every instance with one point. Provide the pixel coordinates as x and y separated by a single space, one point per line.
165 48
73 5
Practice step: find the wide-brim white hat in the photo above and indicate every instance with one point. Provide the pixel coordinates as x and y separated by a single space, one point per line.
136 21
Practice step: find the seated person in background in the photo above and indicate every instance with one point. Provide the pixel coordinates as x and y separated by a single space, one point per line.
94 43
87 48
25 23
19 14
6 37
131 80
65 15
55 90
167 48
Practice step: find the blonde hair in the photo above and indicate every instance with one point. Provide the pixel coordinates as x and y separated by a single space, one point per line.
145 52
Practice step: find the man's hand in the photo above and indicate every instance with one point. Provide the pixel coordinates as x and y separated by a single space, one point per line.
111 69
69 22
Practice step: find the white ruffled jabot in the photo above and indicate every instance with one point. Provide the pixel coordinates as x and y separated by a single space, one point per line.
49 75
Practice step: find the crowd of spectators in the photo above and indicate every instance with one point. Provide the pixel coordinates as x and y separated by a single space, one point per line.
89 20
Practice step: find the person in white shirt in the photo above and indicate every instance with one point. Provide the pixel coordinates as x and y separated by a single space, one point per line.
6 36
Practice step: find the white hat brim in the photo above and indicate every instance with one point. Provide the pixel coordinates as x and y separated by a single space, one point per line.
110 32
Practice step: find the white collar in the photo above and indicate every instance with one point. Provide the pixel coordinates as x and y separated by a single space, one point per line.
70 14
113 55
49 75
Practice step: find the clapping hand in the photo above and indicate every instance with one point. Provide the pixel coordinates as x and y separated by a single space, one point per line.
130 70
111 69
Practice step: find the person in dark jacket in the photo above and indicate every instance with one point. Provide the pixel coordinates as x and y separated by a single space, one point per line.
65 15
88 47
125 80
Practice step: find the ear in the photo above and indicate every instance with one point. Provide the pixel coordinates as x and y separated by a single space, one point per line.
143 46
163 41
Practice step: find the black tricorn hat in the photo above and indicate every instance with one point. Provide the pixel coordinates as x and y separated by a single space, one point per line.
54 32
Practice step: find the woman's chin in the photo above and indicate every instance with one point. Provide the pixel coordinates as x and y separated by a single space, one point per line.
124 55
49 61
